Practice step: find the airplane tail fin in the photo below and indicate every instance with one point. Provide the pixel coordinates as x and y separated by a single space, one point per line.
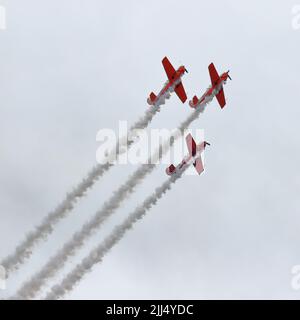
170 169
193 102
151 98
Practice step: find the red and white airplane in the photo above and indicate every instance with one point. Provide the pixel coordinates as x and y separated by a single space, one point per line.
193 157
216 89
173 84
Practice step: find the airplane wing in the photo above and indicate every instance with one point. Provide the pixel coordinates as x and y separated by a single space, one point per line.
214 76
221 98
191 144
170 71
179 89
198 164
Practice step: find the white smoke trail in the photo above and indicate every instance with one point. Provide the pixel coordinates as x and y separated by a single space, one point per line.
30 288
96 255
55 263
24 250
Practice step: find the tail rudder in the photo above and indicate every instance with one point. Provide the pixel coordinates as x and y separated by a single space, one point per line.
170 170
152 98
194 102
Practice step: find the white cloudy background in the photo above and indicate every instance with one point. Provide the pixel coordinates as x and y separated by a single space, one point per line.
69 68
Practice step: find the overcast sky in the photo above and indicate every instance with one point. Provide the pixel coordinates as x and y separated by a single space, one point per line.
70 68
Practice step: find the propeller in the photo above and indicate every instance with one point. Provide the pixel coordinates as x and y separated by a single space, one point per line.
186 70
228 75
206 143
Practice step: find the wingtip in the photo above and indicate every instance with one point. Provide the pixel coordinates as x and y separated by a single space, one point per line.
188 136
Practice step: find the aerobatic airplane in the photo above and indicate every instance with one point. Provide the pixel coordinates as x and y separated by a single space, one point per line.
194 157
173 84
216 89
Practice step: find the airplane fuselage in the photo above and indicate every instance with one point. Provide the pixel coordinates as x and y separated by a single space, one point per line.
169 86
187 160
210 92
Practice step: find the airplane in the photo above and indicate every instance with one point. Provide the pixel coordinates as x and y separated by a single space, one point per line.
193 156
216 89
173 83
